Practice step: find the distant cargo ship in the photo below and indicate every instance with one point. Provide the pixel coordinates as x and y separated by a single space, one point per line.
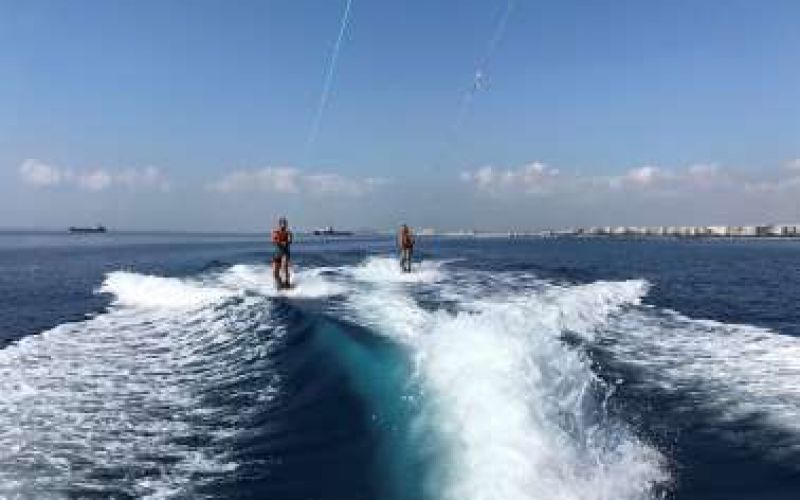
329 231
96 229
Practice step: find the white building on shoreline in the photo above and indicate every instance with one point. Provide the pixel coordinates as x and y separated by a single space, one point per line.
767 230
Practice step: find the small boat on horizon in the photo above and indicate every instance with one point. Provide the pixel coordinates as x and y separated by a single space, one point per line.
97 229
329 231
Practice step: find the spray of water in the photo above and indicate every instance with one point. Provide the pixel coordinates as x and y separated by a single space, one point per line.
326 87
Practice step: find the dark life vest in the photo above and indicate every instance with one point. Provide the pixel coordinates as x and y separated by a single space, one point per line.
407 240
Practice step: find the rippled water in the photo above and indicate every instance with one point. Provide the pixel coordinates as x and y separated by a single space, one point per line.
163 366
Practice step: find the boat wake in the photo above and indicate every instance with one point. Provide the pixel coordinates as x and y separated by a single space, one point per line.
129 403
515 413
155 397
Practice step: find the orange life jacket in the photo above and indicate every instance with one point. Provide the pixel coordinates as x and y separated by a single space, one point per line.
280 237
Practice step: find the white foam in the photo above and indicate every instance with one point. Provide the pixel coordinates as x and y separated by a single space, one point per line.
157 292
125 394
307 283
738 371
382 269
139 290
517 413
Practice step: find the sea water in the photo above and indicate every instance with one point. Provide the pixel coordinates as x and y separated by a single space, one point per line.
167 366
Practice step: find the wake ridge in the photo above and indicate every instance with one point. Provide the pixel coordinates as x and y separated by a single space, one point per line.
514 412
734 372
144 400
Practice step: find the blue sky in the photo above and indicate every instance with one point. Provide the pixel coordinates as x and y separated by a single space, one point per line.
196 114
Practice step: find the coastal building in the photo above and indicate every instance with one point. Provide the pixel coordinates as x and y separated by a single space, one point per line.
769 230
748 231
790 230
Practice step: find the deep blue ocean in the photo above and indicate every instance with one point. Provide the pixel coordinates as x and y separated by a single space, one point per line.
166 366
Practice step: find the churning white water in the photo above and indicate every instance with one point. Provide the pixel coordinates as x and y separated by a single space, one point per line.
127 403
133 401
516 413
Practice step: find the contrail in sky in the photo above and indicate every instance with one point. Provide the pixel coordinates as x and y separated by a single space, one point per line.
326 87
478 78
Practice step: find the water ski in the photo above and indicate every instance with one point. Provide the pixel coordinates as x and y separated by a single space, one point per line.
280 285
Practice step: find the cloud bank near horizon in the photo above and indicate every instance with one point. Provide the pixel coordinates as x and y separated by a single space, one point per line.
538 179
530 196
40 174
291 180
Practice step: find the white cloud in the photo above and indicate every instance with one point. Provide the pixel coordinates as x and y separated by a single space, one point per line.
774 186
95 180
650 178
270 179
536 178
793 165
645 176
40 174
704 170
293 180
639 178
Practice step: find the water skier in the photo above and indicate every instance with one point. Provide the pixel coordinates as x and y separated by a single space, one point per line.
405 241
282 238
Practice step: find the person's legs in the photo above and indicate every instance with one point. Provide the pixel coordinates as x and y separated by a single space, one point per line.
405 260
285 268
276 272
